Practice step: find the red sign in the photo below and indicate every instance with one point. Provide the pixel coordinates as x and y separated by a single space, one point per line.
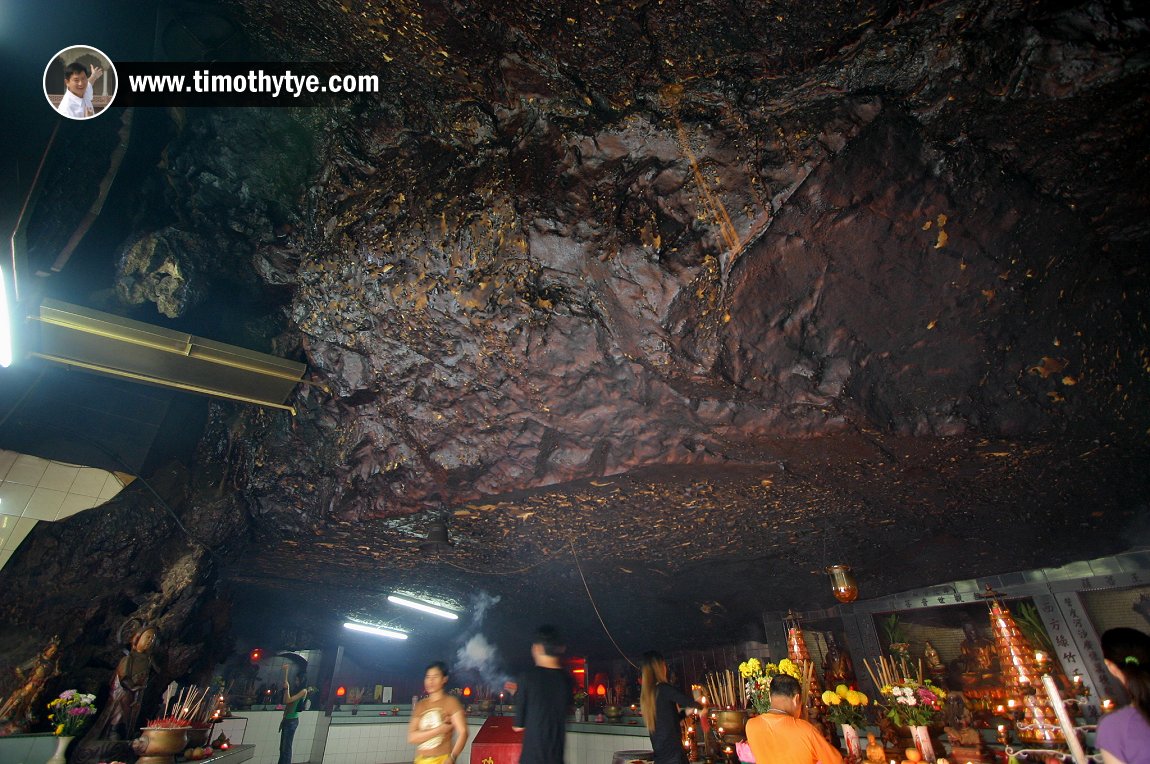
496 742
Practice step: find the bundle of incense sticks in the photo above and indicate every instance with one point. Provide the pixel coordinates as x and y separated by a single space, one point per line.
807 669
887 671
189 706
721 686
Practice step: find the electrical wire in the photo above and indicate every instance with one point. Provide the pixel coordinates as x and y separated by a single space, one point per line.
596 607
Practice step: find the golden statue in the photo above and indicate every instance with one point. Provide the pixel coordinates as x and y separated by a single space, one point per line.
18 709
979 661
837 665
874 750
934 665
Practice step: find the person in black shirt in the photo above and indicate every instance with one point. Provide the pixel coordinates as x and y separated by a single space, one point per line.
541 702
660 703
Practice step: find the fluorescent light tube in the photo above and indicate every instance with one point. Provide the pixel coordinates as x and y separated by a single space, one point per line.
5 324
376 630
421 606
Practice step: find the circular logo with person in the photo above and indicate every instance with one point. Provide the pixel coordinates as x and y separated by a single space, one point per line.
80 82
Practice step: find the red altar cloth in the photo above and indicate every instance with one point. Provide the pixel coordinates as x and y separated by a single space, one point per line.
496 742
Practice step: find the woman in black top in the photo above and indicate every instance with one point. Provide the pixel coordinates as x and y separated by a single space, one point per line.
661 704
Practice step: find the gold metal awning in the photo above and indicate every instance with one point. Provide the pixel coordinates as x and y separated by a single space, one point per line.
109 344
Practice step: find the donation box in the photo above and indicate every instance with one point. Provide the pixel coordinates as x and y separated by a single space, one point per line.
496 742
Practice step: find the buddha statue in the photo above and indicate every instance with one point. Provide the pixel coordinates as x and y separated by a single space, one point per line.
874 750
979 662
837 665
934 665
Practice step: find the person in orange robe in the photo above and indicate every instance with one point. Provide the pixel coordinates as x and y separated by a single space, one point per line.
780 737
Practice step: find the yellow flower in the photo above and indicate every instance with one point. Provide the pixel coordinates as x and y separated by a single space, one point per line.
787 666
831 699
856 698
863 699
59 729
749 668
842 690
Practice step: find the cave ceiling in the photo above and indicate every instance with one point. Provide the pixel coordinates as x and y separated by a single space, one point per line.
673 302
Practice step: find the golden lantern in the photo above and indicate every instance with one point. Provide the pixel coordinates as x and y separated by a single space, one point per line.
843 583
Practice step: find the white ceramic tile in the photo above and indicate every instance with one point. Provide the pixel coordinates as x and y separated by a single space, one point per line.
44 504
89 481
74 503
58 476
24 526
14 497
111 487
7 524
5 556
6 460
26 470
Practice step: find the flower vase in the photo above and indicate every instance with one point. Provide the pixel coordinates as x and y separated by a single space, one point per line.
851 743
921 736
62 744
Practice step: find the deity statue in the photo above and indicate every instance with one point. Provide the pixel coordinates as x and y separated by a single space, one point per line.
955 711
18 710
837 665
887 731
966 744
980 664
127 687
934 664
874 750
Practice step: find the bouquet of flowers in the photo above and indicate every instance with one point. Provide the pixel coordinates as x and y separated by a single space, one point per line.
757 677
70 712
912 703
845 706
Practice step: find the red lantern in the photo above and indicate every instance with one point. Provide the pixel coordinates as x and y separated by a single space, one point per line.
467 692
255 655
340 691
601 690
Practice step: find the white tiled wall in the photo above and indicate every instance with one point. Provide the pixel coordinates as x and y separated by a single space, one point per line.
34 489
27 749
589 748
386 742
263 731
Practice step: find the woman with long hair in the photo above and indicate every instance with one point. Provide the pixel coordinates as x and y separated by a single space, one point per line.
660 703
1124 735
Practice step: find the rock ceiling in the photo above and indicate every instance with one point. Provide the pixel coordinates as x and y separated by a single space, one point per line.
676 302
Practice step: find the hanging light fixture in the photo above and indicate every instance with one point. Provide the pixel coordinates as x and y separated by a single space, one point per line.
437 539
843 583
